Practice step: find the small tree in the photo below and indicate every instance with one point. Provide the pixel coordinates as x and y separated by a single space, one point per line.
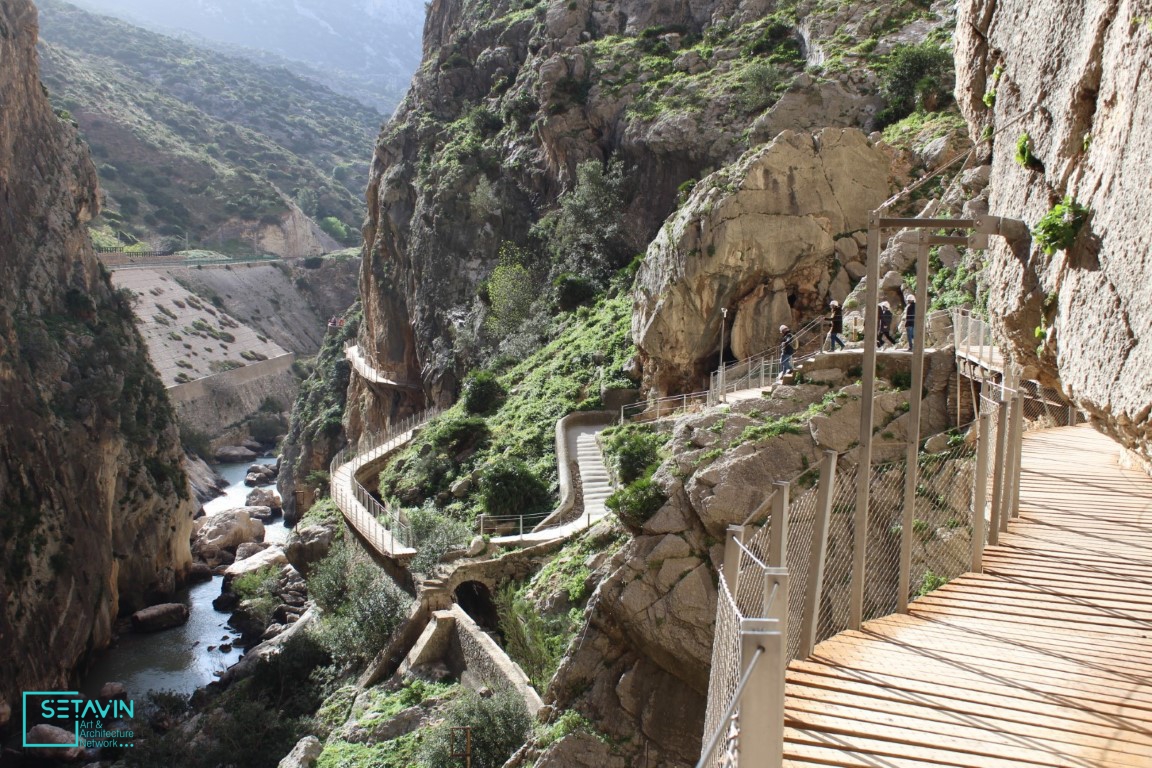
500 724
915 76
512 289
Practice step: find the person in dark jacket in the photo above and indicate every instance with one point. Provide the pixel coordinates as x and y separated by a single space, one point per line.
787 350
910 318
885 322
836 318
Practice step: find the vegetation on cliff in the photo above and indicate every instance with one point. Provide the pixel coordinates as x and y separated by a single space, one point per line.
589 347
195 145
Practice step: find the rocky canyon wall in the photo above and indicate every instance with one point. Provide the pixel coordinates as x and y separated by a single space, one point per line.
95 510
510 99
1069 80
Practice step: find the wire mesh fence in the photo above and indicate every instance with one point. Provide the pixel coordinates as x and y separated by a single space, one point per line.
724 679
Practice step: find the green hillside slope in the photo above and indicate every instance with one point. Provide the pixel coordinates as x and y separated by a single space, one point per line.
189 142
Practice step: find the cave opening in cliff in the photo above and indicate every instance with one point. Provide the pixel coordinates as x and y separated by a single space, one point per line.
475 599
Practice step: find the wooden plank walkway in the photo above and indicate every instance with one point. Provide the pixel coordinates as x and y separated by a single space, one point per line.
1042 660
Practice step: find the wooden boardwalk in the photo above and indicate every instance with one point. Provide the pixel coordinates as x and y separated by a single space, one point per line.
1045 659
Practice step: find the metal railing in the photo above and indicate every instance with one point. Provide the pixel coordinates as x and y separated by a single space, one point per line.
368 371
362 510
665 407
974 340
763 369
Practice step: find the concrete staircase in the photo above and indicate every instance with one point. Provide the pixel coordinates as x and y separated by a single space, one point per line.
594 480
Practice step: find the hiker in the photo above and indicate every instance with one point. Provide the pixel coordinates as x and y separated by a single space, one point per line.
884 314
910 318
836 318
786 350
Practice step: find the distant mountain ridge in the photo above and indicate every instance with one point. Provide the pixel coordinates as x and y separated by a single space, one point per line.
367 49
195 144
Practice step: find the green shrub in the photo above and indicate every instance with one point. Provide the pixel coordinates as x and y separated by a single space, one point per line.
482 392
573 291
1057 229
636 503
434 535
266 428
632 451
500 725
508 487
362 605
533 640
1024 156
915 75
196 442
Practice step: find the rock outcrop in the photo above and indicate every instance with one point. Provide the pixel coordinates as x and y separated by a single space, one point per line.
96 505
1075 93
509 102
757 240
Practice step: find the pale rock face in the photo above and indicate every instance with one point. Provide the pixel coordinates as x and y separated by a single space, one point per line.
757 239
1079 89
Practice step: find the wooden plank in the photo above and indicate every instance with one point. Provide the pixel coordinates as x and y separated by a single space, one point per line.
960 704
984 723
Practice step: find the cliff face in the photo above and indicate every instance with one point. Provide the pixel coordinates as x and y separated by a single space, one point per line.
512 97
1073 78
96 511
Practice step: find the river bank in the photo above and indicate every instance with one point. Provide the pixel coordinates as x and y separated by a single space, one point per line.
190 656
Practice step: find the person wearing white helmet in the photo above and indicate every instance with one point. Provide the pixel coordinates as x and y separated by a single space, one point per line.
836 318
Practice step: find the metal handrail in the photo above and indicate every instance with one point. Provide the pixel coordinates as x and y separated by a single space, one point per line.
392 520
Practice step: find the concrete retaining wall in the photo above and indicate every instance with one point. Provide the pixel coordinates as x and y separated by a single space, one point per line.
215 403
452 637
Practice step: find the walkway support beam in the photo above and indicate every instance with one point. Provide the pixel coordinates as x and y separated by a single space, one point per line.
980 494
762 646
915 399
998 473
778 543
818 556
867 407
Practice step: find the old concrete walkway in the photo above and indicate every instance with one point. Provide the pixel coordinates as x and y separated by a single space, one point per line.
1044 659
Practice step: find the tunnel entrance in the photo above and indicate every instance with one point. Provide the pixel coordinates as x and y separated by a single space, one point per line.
475 599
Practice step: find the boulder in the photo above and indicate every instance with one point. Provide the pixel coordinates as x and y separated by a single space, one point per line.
158 617
249 548
113 691
460 488
304 754
230 454
268 470
263 514
309 545
50 734
265 497
199 572
271 556
756 240
224 532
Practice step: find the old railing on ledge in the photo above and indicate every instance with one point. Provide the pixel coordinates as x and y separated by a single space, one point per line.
928 523
367 509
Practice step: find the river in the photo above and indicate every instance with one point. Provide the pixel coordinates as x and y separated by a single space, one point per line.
178 659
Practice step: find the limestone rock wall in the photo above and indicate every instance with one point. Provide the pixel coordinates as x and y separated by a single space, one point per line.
758 239
1073 77
95 509
516 98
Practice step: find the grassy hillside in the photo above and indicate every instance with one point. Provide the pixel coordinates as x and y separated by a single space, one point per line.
189 141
